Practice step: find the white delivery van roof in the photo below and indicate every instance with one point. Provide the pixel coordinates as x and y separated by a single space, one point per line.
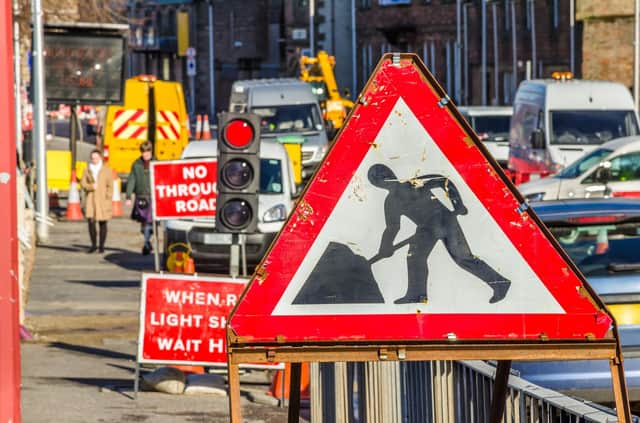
577 94
208 149
274 92
486 110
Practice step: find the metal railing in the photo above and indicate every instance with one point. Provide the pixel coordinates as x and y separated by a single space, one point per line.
435 391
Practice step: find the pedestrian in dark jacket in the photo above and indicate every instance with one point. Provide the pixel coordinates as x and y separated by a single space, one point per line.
139 185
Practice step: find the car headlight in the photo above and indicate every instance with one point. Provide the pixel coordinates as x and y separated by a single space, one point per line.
320 152
276 213
536 196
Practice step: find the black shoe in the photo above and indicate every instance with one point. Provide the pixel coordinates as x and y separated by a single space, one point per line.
92 249
146 250
500 289
101 250
412 299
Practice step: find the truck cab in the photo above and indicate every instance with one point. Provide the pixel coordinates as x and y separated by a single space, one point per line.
555 121
153 110
289 113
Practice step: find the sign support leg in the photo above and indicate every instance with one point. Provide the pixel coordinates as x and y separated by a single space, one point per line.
243 253
234 392
500 391
136 381
156 253
620 389
234 256
294 393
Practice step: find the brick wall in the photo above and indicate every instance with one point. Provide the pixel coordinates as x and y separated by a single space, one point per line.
607 39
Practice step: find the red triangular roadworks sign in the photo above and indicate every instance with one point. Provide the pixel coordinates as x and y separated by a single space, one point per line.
476 264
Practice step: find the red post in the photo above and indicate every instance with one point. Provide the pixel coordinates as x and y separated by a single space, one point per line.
9 294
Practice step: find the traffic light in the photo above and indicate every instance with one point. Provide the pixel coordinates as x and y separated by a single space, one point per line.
238 172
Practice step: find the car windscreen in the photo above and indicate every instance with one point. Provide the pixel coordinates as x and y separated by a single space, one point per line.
584 163
590 127
492 128
290 118
270 176
600 249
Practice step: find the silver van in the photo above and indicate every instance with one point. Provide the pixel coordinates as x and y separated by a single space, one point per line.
210 249
290 114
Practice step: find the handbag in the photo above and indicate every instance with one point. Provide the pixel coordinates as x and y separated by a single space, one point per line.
141 211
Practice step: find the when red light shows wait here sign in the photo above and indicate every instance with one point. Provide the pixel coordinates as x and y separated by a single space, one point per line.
184 188
183 318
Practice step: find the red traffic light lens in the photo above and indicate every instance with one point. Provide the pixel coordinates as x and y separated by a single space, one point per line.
238 134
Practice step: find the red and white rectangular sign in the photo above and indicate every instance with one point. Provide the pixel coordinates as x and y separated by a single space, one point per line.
184 188
183 318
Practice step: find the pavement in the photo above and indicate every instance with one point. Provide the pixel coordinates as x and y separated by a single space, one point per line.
82 311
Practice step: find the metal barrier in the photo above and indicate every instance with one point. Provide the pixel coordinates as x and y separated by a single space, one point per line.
435 391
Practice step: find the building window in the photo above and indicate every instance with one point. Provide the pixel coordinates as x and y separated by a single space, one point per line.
365 4
556 14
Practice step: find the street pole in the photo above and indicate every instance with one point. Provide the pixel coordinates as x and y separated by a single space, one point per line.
465 23
534 61
483 71
17 63
40 124
572 34
9 290
212 70
514 57
354 67
312 13
496 65
458 53
636 56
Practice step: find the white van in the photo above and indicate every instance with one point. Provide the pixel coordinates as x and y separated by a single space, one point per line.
555 121
491 123
210 249
290 114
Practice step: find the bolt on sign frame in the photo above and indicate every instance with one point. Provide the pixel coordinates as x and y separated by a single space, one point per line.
406 154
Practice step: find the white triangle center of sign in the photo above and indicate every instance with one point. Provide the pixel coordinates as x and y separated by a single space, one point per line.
358 222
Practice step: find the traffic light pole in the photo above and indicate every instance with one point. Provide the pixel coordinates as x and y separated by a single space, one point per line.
9 290
238 255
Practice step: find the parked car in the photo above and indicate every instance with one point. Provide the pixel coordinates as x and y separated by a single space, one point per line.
602 237
209 248
491 123
611 170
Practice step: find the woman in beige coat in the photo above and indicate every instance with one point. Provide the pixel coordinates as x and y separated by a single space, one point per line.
97 182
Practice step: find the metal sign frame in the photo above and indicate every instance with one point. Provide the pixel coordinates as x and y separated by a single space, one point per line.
243 348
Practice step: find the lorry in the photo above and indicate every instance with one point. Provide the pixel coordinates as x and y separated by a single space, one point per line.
289 112
153 110
318 71
557 120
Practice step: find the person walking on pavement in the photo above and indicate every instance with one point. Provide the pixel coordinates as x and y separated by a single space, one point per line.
139 185
434 222
97 183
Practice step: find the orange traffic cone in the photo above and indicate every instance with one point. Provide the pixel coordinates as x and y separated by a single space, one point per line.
189 266
206 129
188 126
73 203
198 127
116 204
281 379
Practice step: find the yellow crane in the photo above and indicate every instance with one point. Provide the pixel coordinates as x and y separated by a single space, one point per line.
318 71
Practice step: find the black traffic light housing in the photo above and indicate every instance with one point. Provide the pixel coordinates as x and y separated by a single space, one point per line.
238 172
